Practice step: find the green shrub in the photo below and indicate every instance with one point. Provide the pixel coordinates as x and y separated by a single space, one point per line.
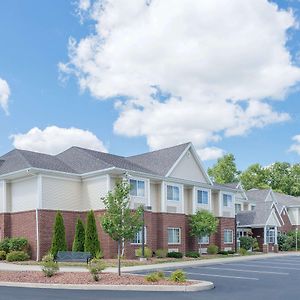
4 245
49 266
96 266
2 255
147 253
230 252
161 253
223 252
99 254
174 254
178 276
91 243
78 243
246 242
17 256
155 277
193 254
59 242
212 249
255 245
243 251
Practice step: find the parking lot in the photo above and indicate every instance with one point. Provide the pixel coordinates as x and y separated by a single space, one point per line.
272 278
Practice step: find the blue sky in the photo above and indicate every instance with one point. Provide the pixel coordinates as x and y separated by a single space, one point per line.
34 39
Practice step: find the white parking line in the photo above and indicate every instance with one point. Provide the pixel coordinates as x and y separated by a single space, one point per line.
217 275
277 263
262 266
250 271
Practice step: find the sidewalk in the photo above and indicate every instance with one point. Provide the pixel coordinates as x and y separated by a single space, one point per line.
204 262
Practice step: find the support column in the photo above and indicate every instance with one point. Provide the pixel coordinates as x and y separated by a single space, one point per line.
265 245
276 240
162 197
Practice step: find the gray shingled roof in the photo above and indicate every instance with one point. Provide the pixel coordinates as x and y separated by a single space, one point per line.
257 195
79 160
255 217
232 186
160 161
286 200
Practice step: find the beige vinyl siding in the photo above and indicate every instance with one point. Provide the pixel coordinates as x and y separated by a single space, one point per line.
2 191
188 201
188 169
155 190
23 195
61 193
215 204
92 191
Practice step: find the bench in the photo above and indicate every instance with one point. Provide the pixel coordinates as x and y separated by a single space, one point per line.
70 256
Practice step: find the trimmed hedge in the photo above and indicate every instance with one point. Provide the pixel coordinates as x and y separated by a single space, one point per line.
17 256
174 254
161 253
193 254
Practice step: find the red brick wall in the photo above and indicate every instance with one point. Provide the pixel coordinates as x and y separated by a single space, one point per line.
258 233
24 224
286 226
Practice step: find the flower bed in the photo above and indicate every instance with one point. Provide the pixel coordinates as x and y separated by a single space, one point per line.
83 278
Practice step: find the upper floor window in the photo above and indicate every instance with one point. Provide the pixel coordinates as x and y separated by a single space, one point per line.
202 197
172 192
227 200
137 188
238 207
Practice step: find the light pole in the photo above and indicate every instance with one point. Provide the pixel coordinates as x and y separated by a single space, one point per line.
143 230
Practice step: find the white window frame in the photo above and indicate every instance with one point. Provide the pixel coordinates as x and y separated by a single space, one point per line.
225 231
271 237
236 204
179 192
206 242
208 196
174 228
137 187
138 236
231 201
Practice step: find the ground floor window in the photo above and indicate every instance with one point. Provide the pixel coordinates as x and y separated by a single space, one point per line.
174 235
138 237
228 236
270 236
204 240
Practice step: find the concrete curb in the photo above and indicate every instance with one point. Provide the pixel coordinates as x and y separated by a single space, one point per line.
200 286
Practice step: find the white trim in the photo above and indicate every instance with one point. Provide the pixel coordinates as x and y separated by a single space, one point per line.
180 192
37 235
141 180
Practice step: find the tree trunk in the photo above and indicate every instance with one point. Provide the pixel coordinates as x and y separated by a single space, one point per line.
119 257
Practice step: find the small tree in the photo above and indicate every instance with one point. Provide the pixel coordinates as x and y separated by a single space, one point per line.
59 242
202 224
91 243
79 238
119 221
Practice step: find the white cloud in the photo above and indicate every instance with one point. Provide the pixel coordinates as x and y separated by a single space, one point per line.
295 147
222 63
53 140
4 95
210 153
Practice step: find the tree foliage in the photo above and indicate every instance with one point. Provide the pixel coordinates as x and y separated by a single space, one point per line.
59 242
79 238
202 224
91 243
225 170
119 221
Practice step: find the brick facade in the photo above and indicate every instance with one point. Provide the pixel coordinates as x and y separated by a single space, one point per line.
157 224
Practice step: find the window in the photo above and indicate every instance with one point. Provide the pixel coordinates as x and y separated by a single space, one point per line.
202 197
252 207
270 236
238 207
172 192
174 235
228 236
204 240
138 237
137 188
227 199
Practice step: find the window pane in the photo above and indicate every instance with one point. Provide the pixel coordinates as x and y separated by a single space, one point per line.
141 188
228 236
202 197
133 186
204 240
170 236
176 193
173 235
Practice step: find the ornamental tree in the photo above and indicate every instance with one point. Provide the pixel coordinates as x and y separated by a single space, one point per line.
91 242
119 221
79 238
59 242
202 224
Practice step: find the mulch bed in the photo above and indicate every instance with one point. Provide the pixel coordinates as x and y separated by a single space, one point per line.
82 278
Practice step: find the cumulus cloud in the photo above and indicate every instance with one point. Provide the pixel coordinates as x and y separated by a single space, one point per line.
4 95
53 140
210 153
295 147
186 70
